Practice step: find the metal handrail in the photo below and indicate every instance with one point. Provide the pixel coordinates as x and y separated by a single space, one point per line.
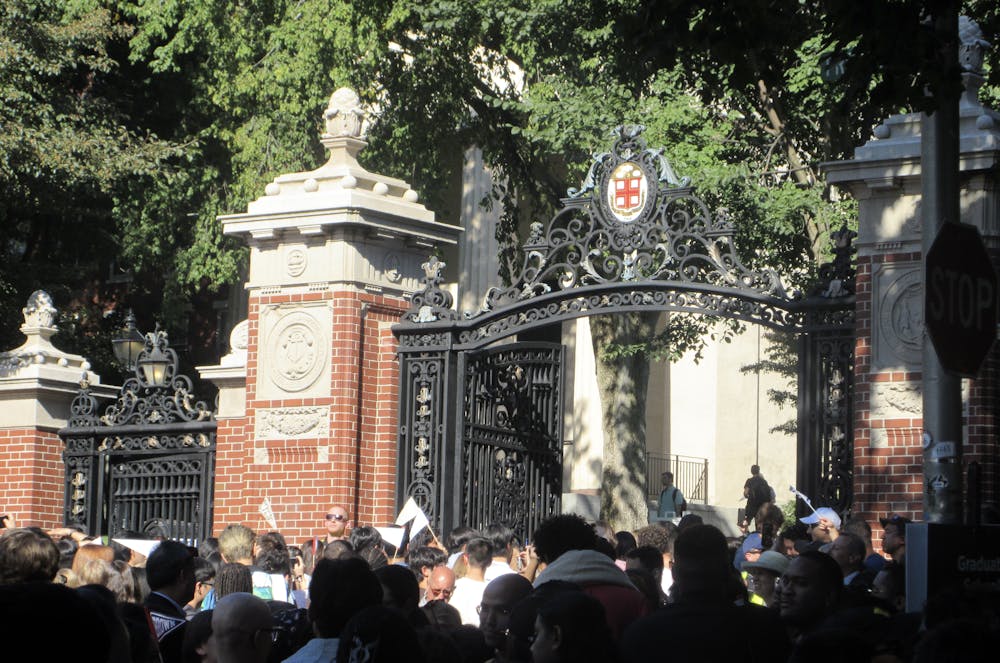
690 475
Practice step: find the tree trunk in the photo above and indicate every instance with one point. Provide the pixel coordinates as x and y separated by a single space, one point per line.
622 382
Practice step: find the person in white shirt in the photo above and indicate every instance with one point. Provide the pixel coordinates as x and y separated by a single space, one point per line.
469 590
503 540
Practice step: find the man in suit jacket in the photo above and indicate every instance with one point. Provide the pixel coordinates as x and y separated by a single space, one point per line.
170 572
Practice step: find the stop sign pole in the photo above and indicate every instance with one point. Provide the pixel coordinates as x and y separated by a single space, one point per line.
942 391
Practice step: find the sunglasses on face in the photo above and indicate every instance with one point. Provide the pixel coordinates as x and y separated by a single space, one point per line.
336 516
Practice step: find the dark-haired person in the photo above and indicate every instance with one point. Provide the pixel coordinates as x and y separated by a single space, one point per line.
703 623
170 573
241 629
204 581
498 600
27 555
571 628
809 592
504 543
566 544
469 590
339 590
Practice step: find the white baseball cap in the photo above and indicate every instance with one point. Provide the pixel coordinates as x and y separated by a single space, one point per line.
824 512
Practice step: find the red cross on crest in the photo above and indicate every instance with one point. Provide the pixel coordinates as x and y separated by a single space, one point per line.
627 191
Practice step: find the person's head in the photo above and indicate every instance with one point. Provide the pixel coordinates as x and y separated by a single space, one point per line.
790 538
811 587
458 537
889 586
498 600
379 634
365 537
440 584
821 522
423 560
701 562
399 588
233 579
170 571
236 544
479 554
208 545
441 615
689 519
502 539
894 534
27 555
559 534
571 627
859 527
198 645
645 557
848 550
338 590
204 579
338 549
337 521
626 542
654 536
763 573
754 470
667 478
90 552
241 629
273 560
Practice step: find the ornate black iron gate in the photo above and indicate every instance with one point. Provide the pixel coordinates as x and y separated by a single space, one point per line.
148 461
634 237
512 434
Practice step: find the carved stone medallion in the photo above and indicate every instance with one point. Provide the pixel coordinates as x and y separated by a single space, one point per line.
899 318
296 261
298 350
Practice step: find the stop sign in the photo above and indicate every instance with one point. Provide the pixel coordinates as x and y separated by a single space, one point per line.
960 305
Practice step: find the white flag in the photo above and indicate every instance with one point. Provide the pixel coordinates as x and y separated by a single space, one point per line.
412 512
393 535
142 546
265 510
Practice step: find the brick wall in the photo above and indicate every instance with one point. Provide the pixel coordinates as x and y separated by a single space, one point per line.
303 477
32 470
889 479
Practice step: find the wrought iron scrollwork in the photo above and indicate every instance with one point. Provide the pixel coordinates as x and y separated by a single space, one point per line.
431 303
148 458
142 402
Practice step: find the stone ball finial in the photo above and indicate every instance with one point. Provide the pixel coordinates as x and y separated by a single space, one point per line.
39 311
344 114
972 46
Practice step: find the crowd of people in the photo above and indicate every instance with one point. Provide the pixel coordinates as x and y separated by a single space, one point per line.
813 590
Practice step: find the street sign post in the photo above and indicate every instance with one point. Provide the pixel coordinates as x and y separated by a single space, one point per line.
960 305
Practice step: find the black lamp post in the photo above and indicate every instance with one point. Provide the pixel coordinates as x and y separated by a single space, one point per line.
154 361
129 343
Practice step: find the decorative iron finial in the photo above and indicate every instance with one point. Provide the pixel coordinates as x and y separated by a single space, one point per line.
344 114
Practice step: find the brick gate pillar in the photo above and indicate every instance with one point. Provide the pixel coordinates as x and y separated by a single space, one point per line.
308 408
37 384
884 177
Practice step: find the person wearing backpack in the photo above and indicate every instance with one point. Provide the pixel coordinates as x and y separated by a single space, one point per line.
672 502
756 491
